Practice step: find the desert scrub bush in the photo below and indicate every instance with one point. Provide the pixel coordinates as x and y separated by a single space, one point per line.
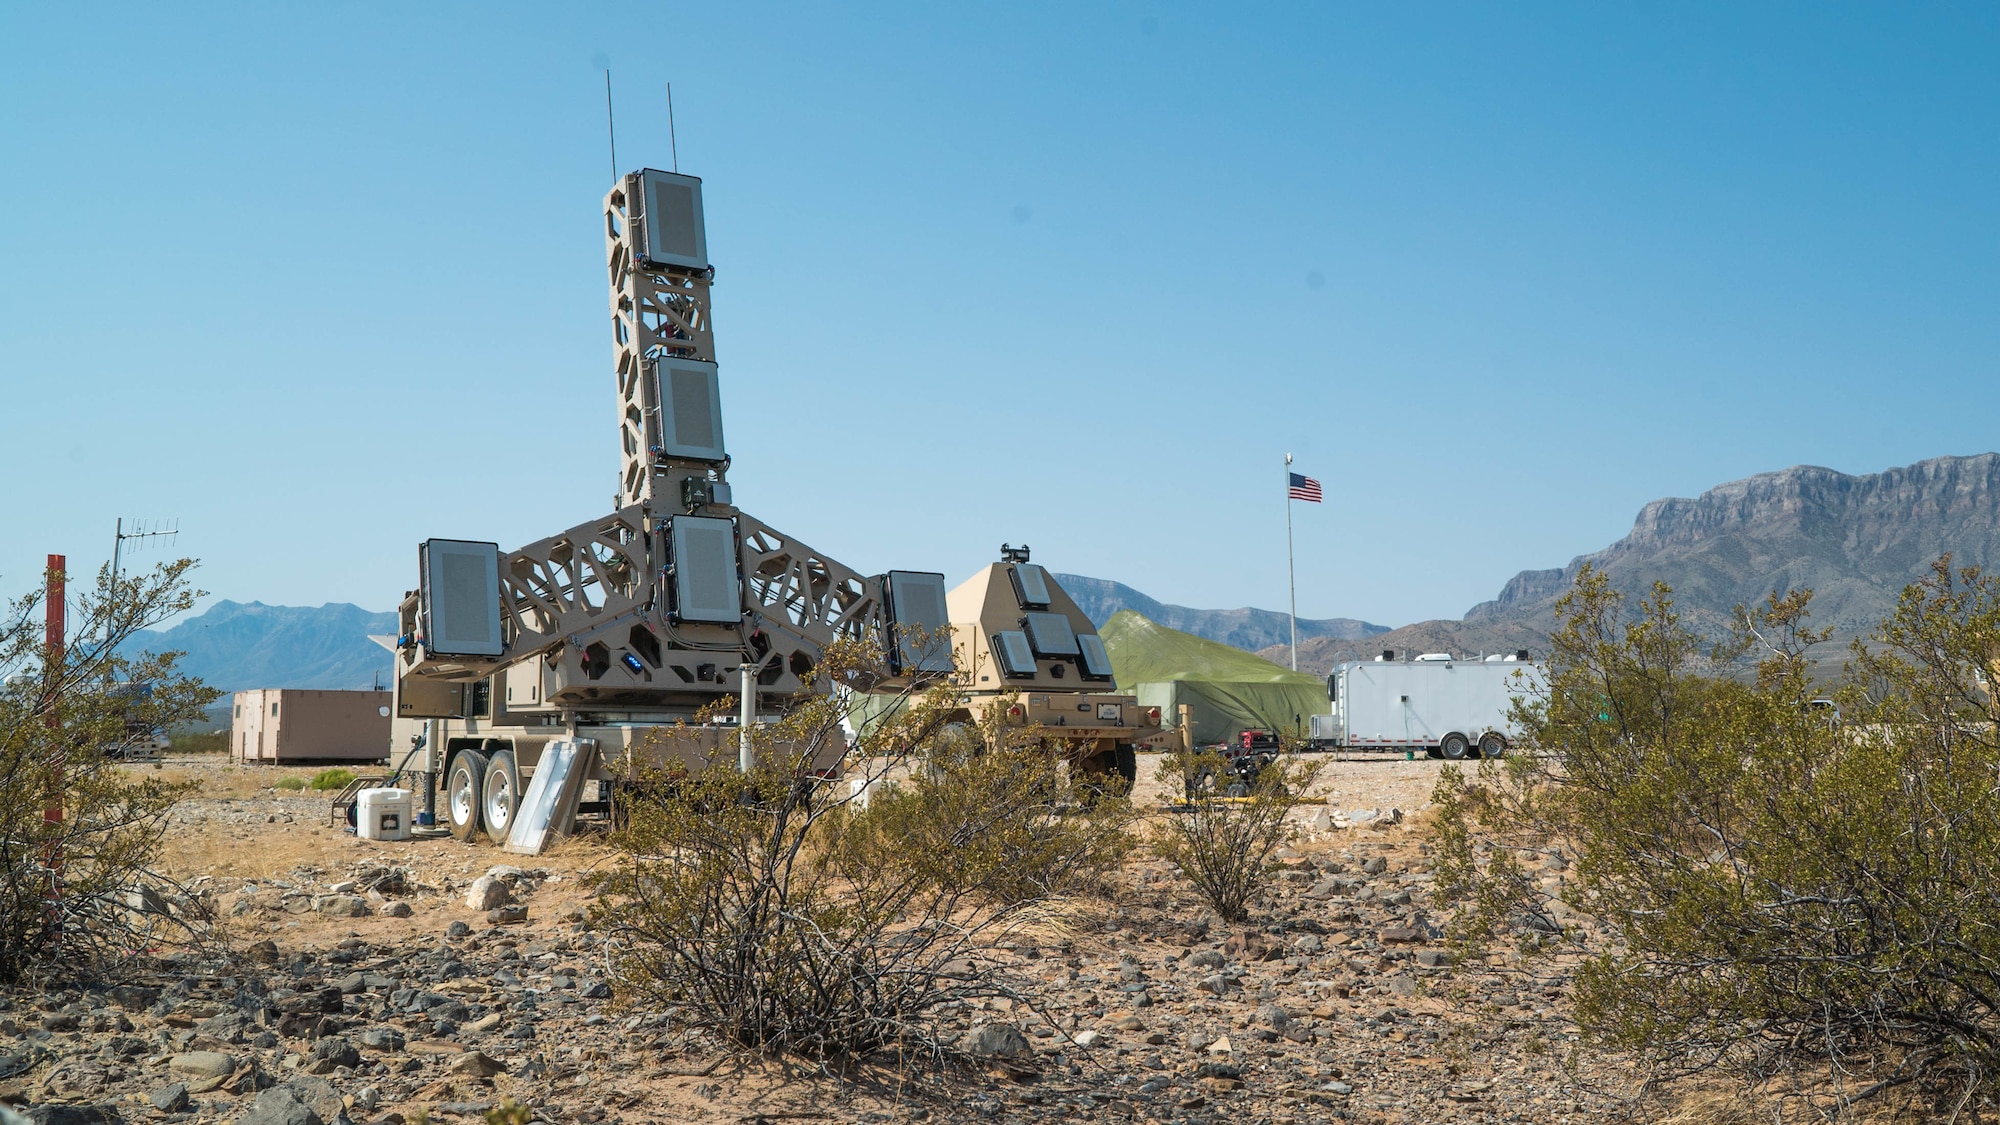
291 783
79 836
1221 846
767 909
1001 820
1776 893
331 779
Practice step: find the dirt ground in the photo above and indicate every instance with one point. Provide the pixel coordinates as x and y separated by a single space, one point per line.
368 982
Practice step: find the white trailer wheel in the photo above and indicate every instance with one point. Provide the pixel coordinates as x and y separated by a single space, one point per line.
1492 745
461 792
1454 746
500 795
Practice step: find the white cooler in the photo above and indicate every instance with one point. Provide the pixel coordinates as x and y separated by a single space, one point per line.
383 814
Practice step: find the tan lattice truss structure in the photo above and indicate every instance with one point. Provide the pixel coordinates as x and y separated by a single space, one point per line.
656 313
574 606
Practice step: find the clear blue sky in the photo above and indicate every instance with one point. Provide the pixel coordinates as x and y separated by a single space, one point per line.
324 280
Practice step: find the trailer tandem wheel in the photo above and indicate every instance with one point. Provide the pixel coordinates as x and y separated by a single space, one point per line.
1492 744
461 792
499 795
1454 746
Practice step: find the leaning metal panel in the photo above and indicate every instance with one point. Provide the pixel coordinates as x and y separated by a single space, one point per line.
656 312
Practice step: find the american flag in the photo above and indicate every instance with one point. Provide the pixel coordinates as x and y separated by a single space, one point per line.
1304 488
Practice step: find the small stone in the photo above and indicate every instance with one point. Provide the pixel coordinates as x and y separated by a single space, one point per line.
594 990
483 1024
342 888
1221 1046
1431 958
476 1064
134 998
487 893
1401 934
397 910
1337 1088
61 1021
1205 959
996 1041
507 915
279 1106
343 906
457 930
1214 982
1274 1017
335 1050
382 1039
203 1064
1130 1023
1376 865
1089 1039
170 1099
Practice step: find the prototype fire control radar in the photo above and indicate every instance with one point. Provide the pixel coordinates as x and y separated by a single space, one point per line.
639 618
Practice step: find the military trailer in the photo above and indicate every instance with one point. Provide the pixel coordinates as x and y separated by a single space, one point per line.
1445 707
619 630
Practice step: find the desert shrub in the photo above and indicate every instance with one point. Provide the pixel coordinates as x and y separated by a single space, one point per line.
331 779
1772 892
1221 846
774 914
1001 822
79 834
202 742
292 783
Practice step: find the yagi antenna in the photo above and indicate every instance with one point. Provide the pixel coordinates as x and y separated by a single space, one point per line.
138 536
610 126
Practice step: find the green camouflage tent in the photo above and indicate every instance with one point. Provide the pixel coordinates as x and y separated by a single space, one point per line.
1226 689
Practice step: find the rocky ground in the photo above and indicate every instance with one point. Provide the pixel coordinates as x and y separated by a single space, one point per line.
393 982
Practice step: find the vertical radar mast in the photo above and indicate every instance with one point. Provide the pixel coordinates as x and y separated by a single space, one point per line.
671 452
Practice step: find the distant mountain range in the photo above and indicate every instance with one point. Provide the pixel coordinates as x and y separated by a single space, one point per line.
234 646
1856 541
1248 629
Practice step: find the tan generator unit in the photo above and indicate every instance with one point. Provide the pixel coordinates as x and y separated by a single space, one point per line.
1024 646
290 726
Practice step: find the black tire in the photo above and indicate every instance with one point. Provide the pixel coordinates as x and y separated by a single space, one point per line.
499 795
1127 765
1492 745
1236 789
1201 784
1432 752
1454 747
462 783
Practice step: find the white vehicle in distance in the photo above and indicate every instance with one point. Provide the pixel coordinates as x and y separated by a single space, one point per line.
1442 705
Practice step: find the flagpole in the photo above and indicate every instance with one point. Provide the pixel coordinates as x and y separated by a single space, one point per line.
1291 575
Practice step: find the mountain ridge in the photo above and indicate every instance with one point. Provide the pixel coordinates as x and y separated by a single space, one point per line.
1855 539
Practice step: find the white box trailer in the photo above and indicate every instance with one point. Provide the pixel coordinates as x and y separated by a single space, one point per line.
1447 708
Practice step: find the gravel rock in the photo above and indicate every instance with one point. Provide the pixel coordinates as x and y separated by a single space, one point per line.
343 906
996 1041
170 1099
279 1106
487 893
476 1064
382 1039
203 1064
